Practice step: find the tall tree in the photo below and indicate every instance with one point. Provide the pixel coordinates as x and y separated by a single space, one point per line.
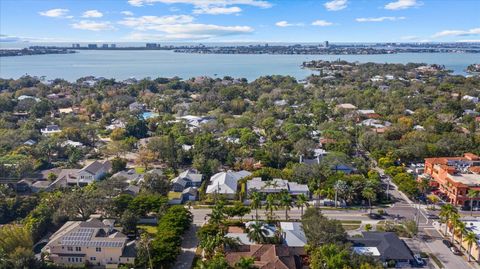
369 194
255 202
270 204
446 212
286 202
301 202
470 238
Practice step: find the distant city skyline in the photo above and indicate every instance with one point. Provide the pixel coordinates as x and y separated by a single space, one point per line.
239 21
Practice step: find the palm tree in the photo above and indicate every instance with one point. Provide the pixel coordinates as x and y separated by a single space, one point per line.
433 200
460 230
470 238
302 200
245 263
256 202
446 212
286 202
270 204
257 232
369 194
454 220
329 193
472 194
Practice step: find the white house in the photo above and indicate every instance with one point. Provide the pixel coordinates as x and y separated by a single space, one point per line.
93 171
226 183
50 129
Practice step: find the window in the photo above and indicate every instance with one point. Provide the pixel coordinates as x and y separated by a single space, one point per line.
98 249
70 248
68 259
93 258
78 248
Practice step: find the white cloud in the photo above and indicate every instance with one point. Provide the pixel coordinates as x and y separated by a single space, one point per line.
287 24
127 13
402 4
154 22
179 27
204 3
56 13
379 19
322 23
336 5
92 14
93 25
473 31
217 10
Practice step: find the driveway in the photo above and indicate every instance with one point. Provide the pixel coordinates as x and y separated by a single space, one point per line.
189 246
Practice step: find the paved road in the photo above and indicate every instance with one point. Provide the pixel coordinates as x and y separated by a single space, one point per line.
189 246
200 215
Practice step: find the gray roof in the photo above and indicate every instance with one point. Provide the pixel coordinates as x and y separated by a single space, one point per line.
131 175
387 243
187 176
293 234
94 167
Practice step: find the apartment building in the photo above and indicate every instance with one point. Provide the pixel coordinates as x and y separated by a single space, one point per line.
454 177
91 242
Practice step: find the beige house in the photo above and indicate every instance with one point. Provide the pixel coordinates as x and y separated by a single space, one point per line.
91 242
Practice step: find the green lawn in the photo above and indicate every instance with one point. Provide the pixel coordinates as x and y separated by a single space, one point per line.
150 229
140 170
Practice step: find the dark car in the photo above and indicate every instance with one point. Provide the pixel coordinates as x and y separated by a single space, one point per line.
432 216
375 216
447 243
455 251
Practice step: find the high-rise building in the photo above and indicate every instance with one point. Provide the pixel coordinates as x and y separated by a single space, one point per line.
151 45
92 46
326 44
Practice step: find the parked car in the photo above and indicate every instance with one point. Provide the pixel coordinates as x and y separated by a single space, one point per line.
455 250
447 243
432 216
418 260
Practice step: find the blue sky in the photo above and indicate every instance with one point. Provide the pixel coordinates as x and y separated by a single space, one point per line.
240 20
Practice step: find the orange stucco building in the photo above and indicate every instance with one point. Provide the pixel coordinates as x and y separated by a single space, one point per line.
454 177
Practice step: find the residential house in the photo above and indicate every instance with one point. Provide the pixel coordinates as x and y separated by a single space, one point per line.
186 179
265 256
185 187
276 185
91 242
137 107
293 236
81 177
50 129
226 183
385 246
131 176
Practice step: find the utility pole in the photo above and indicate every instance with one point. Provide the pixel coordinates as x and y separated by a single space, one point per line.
388 189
